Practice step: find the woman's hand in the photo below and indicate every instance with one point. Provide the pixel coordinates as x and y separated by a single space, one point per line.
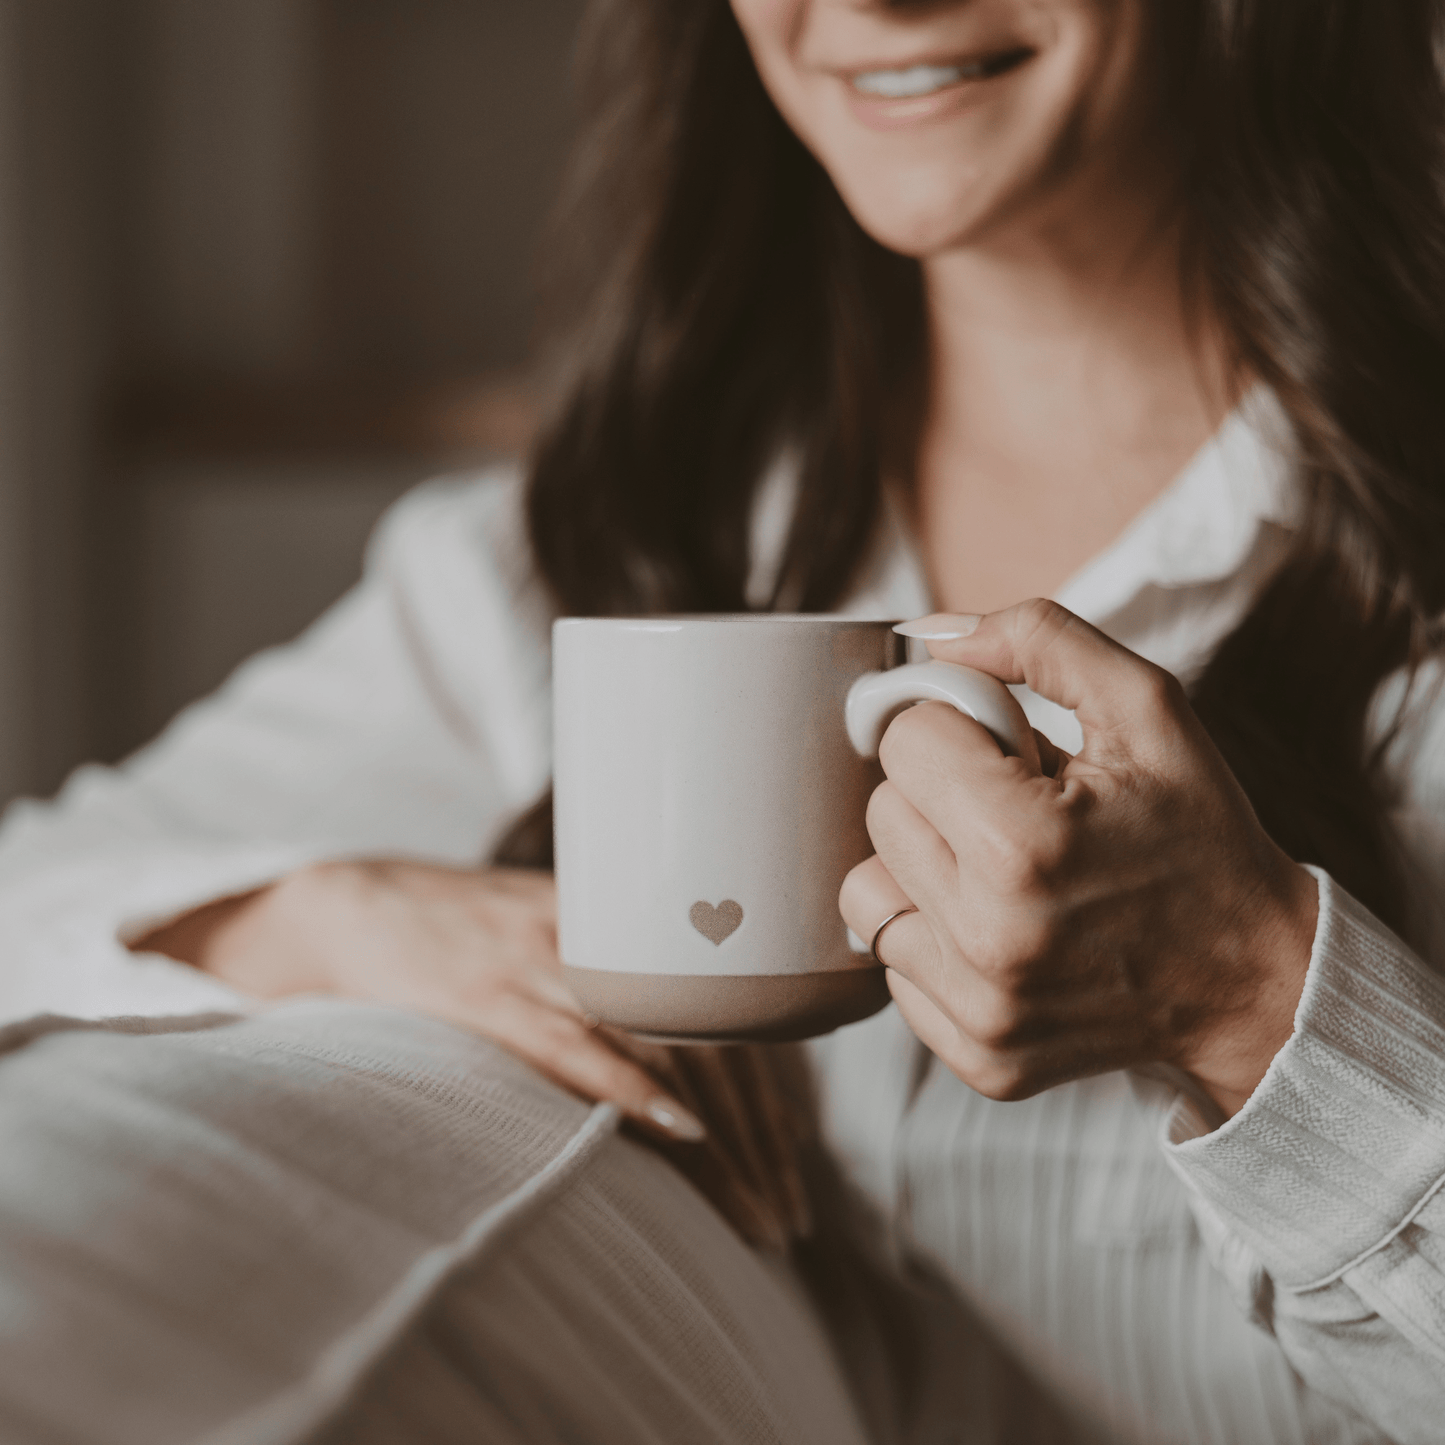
1120 908
478 948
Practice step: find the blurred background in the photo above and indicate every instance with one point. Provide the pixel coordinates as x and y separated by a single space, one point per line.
264 264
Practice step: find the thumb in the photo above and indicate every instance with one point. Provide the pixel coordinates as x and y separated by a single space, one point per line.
1060 657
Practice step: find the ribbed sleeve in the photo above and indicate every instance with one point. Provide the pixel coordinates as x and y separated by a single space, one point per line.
1321 1200
1343 1143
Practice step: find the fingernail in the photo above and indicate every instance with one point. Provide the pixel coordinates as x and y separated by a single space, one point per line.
940 627
685 1127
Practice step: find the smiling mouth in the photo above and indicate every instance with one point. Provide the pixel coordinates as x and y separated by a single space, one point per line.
914 81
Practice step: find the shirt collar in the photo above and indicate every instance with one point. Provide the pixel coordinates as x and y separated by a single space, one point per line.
1202 528
1205 524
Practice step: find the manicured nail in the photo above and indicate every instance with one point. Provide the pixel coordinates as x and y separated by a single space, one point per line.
686 1128
940 627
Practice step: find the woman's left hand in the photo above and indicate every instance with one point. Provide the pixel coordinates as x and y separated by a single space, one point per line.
1122 907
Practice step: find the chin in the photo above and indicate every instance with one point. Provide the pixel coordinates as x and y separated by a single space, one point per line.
918 225
915 236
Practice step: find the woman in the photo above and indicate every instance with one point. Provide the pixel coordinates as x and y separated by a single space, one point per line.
903 309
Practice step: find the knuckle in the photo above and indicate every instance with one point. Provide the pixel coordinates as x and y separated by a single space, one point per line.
1038 621
1000 1078
1030 861
1036 612
882 808
560 1034
1016 866
850 894
1162 692
860 886
1011 1084
1008 958
997 1020
1052 843
1015 863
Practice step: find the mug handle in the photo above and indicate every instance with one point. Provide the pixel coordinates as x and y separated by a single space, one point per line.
878 697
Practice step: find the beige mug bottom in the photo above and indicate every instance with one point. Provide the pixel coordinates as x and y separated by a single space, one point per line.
770 1008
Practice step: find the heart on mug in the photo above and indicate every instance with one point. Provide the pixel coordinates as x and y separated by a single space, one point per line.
716 923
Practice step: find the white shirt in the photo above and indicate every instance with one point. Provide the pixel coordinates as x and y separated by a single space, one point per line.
1279 1278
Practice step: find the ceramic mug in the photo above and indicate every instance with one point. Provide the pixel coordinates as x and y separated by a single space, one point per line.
711 779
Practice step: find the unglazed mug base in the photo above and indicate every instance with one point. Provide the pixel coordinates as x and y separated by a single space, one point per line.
763 1008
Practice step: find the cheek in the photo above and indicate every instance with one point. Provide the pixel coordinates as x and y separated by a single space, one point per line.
770 27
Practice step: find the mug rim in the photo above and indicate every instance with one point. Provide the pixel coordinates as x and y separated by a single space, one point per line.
675 621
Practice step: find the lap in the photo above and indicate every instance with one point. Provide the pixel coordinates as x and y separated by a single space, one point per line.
339 1223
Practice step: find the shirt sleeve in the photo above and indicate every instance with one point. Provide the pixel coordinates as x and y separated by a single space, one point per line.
1323 1200
410 721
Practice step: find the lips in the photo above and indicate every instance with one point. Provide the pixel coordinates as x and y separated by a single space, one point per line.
893 97
911 82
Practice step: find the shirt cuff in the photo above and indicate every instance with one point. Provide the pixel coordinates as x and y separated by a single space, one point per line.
1343 1142
66 934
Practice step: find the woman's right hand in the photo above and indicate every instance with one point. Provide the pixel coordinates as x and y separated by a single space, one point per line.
478 948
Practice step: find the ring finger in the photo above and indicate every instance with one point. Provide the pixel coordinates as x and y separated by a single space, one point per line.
869 899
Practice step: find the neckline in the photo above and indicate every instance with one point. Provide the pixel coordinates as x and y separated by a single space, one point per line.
1203 526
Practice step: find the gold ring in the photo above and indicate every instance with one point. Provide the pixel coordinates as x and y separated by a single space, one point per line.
878 932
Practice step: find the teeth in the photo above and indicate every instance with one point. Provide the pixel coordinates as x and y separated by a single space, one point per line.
916 80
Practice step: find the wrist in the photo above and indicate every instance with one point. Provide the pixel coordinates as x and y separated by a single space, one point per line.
278 945
199 937
1278 940
261 942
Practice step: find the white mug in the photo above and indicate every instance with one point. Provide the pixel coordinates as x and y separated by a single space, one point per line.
711 779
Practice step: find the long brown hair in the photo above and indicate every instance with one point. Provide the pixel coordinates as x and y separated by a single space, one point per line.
716 301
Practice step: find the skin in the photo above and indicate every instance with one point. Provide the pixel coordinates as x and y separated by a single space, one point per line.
1118 907
1068 384
1115 908
1129 909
